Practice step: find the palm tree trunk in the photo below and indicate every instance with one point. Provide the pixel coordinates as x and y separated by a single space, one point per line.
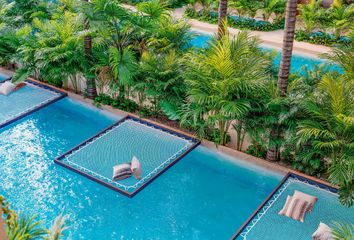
288 41
273 149
91 90
284 69
222 18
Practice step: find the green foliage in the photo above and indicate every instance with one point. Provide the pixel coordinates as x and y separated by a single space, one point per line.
117 102
330 129
270 7
236 21
317 21
309 14
159 79
222 81
321 38
26 227
245 7
343 56
257 151
342 231
341 17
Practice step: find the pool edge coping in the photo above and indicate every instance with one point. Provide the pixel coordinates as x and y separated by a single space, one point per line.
290 174
59 160
273 166
244 157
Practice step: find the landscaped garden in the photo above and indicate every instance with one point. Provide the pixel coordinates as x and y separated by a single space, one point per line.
230 92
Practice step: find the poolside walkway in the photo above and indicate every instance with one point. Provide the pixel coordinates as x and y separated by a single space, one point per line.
272 39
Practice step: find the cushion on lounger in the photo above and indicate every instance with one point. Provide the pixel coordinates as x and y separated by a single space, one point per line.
297 209
136 168
286 205
310 199
323 232
121 171
7 87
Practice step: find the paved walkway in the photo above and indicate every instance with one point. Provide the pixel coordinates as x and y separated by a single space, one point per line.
272 39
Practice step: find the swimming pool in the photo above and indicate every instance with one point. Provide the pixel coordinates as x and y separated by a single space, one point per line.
297 63
203 196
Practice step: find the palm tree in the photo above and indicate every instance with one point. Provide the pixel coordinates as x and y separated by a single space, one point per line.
24 226
245 7
284 69
159 79
272 6
222 21
342 231
343 55
341 16
9 41
91 90
222 81
329 128
309 14
56 63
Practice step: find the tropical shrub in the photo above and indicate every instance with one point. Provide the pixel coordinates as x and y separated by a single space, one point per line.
270 7
342 231
117 102
245 7
236 21
321 38
222 82
23 226
325 26
329 129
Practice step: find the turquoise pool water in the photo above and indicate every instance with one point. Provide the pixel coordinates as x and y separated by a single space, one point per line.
327 210
298 61
203 196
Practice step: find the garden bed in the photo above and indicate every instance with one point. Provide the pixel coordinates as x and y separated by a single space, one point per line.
243 23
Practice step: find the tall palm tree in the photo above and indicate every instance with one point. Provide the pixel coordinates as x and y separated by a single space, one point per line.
222 18
222 82
91 90
284 69
329 127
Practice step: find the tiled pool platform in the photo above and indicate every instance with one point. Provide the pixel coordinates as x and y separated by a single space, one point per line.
156 147
266 224
29 99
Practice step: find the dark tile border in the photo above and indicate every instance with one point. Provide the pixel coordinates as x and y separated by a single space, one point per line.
285 178
59 160
61 95
6 79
